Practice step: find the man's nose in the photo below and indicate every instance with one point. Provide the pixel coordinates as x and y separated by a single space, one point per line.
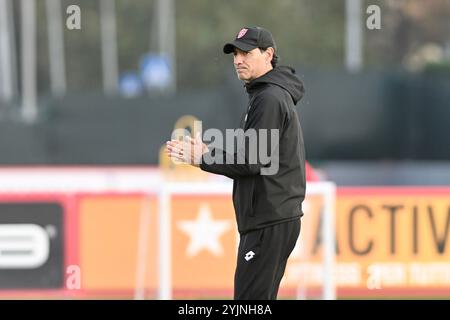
237 59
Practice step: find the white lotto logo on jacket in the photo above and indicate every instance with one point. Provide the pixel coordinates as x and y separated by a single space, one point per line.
249 255
23 246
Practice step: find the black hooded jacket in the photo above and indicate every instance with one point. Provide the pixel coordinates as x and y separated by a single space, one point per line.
266 193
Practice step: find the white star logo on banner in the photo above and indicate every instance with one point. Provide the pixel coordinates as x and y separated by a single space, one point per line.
204 232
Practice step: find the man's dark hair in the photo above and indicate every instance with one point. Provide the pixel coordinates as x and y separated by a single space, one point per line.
275 57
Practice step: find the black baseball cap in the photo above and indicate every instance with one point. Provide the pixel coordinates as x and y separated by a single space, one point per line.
249 38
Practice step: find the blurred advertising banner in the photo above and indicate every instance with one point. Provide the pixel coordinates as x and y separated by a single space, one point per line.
31 244
117 232
398 238
389 242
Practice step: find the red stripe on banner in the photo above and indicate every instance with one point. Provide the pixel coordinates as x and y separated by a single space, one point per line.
342 293
100 194
33 197
404 292
416 190
78 168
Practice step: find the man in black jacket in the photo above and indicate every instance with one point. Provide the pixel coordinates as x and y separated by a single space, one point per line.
267 195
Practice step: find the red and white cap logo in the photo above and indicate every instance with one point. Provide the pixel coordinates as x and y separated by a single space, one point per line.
242 33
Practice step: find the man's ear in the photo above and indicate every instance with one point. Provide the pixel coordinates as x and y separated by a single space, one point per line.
270 51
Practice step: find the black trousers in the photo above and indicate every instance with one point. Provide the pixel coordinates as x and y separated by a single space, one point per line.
261 260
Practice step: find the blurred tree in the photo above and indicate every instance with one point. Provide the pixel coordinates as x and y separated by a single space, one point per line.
408 26
202 29
308 33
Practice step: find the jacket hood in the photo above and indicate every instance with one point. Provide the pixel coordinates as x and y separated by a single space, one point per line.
283 77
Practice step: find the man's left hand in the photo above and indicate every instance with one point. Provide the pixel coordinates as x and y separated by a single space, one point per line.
188 151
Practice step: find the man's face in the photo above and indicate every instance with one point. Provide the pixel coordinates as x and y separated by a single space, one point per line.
252 64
